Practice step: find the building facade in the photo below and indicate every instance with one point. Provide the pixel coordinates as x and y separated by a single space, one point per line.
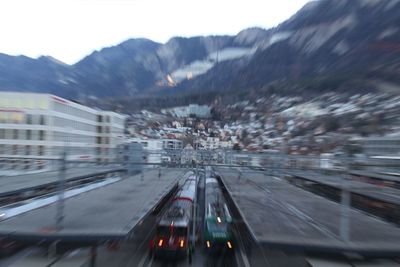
153 148
200 111
380 146
173 144
35 127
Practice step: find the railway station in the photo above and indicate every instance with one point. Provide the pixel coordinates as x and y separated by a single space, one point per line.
379 175
339 181
106 214
284 216
11 185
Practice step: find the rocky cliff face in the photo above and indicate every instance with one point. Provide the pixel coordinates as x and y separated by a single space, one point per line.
350 39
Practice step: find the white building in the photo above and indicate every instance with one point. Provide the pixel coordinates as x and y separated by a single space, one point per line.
200 111
173 144
209 144
380 146
42 126
212 143
188 155
152 147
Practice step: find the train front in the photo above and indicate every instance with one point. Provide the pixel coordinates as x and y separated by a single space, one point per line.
176 224
218 221
218 235
171 239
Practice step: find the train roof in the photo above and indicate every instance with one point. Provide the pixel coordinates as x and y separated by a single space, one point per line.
191 177
180 210
215 200
211 180
188 190
178 214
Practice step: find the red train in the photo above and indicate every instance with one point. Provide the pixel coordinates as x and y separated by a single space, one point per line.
176 224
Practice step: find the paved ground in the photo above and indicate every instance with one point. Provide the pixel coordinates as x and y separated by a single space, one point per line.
281 214
111 211
386 194
13 184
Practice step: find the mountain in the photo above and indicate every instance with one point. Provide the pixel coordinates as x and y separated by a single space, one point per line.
136 66
124 69
141 66
22 73
327 45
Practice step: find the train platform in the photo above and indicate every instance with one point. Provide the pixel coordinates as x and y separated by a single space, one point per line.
284 216
385 194
107 213
378 175
10 185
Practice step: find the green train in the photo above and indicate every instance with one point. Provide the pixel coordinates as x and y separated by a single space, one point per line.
218 221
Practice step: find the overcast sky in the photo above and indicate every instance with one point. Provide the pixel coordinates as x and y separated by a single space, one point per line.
70 29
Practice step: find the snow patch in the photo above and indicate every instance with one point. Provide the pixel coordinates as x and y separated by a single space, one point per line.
391 4
311 109
312 38
280 36
388 32
199 67
341 48
364 3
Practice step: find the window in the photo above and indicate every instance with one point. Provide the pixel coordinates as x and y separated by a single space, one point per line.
41 135
14 149
27 164
27 150
40 151
29 119
15 134
28 134
16 117
42 120
2 134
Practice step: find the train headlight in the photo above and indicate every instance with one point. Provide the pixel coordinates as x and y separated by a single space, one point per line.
208 244
160 242
181 243
229 244
219 219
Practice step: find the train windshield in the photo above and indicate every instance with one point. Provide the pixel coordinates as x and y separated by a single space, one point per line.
168 230
180 231
163 231
214 227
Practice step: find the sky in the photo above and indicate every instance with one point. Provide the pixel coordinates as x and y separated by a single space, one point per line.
68 30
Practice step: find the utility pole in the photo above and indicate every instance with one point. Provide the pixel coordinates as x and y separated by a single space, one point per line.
195 203
345 202
61 189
